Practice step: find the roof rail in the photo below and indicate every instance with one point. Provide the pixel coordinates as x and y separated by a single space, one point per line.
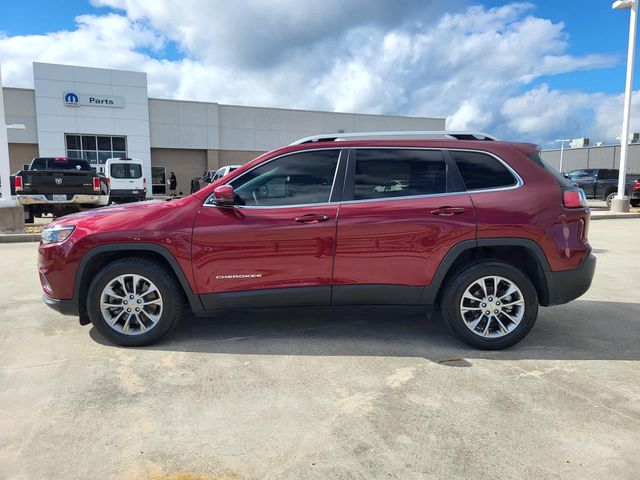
452 135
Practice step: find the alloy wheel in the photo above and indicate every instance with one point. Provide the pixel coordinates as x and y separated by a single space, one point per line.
131 304
492 307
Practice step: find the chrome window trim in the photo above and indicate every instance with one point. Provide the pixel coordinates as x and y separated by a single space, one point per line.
519 182
408 197
341 154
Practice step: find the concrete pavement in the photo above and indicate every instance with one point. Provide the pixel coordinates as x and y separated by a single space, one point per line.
326 393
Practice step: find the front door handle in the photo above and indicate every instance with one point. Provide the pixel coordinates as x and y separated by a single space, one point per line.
312 218
448 211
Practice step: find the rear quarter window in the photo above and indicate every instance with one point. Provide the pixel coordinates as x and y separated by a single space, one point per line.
561 179
481 171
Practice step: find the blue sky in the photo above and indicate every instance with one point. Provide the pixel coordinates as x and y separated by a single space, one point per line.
592 26
294 54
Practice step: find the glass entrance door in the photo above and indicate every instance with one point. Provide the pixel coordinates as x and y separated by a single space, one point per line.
159 180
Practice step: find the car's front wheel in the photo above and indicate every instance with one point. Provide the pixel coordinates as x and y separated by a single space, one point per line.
134 302
490 305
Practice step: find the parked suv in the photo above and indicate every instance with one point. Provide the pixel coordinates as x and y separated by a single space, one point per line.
481 229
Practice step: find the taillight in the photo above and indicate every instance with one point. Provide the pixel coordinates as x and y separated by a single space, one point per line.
96 184
17 182
144 183
636 184
574 198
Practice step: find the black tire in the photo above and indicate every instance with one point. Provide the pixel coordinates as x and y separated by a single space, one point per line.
164 280
455 289
609 198
635 203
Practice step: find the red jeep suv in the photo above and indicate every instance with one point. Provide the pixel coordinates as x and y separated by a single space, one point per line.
481 229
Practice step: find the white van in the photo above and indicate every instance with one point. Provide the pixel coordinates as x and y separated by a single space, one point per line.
125 179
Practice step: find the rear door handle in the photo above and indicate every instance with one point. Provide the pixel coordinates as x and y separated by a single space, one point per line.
448 211
312 218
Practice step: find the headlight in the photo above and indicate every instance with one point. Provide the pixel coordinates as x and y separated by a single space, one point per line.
56 234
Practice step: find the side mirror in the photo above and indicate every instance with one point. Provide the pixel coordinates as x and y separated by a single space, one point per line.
223 196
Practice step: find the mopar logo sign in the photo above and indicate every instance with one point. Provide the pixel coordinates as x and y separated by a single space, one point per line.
71 99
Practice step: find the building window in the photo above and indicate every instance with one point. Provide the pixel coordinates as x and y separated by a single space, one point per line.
95 148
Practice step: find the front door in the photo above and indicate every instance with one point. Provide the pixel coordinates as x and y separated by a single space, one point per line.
276 246
402 211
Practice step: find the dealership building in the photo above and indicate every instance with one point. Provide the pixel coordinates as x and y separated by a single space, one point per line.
98 113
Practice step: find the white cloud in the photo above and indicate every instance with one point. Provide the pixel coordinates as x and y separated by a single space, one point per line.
475 65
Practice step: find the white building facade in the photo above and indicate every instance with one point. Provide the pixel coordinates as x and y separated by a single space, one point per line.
96 113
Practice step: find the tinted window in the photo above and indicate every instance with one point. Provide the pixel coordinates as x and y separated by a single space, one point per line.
73 142
126 170
300 178
118 143
576 174
59 164
388 173
480 171
607 174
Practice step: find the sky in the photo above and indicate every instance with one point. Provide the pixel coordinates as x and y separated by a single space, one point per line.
532 71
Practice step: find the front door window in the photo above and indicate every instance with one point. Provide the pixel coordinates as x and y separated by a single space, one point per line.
298 179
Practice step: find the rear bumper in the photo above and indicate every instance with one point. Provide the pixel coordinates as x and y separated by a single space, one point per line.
571 284
134 194
80 199
65 307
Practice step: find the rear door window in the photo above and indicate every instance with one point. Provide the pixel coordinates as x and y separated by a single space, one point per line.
126 170
392 173
481 171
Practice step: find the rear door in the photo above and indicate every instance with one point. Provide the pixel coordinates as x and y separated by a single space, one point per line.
126 175
402 211
276 246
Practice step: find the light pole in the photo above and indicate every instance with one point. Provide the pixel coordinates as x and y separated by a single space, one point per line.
621 203
561 141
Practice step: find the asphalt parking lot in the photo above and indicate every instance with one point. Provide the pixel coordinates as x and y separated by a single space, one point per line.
322 393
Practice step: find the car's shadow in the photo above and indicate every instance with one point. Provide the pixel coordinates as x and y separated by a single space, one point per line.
582 330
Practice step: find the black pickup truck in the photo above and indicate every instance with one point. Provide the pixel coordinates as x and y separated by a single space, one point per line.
602 184
59 186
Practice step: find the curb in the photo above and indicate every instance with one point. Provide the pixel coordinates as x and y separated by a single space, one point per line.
19 237
614 216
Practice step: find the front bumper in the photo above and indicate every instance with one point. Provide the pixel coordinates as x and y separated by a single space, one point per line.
571 284
81 199
65 307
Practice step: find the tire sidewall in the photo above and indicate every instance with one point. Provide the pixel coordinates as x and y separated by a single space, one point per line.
609 198
171 308
455 290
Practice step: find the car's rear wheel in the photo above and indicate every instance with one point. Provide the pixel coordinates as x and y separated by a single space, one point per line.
609 198
490 305
134 302
635 203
